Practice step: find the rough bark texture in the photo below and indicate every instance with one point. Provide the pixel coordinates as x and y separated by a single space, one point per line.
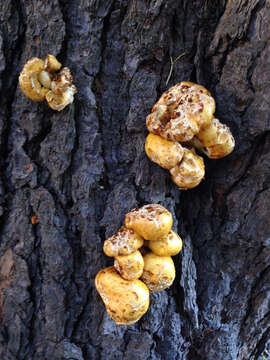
79 171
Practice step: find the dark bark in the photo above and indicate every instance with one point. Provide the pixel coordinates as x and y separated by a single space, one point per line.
79 171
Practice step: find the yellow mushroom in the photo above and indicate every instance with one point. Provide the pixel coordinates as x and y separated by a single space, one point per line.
124 242
126 301
151 221
170 245
52 64
181 112
166 154
215 140
30 82
158 273
39 81
130 267
62 91
190 172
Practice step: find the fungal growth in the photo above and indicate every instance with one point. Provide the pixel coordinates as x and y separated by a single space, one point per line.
138 271
185 113
125 301
43 80
151 221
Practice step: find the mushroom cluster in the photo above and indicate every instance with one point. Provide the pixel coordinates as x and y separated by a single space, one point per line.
185 113
41 80
142 251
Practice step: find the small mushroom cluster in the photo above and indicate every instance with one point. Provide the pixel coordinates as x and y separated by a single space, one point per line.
142 249
185 113
40 80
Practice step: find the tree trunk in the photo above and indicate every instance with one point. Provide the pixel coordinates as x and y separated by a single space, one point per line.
68 179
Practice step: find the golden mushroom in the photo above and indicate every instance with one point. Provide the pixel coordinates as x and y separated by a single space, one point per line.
124 242
170 245
185 113
190 172
31 79
130 267
166 154
215 140
52 64
151 221
181 112
158 273
62 91
126 301
39 81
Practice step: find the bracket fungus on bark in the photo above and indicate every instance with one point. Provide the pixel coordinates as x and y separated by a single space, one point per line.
125 296
39 81
185 113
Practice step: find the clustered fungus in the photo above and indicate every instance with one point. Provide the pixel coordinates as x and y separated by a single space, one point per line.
43 80
185 113
142 251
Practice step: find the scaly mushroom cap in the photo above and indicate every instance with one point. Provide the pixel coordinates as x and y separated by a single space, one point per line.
29 80
215 140
181 112
158 273
170 245
126 301
151 221
190 172
62 93
166 154
124 242
130 267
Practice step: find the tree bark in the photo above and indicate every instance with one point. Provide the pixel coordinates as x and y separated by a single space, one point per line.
67 179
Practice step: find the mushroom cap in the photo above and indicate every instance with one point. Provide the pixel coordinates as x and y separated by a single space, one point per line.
52 64
126 301
151 221
170 245
216 139
181 112
166 154
124 242
190 172
29 82
130 267
62 92
158 273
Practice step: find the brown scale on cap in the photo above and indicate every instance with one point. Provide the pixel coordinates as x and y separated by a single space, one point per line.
124 242
151 221
62 91
181 112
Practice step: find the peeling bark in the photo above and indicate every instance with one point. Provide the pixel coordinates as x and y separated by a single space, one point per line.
67 179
